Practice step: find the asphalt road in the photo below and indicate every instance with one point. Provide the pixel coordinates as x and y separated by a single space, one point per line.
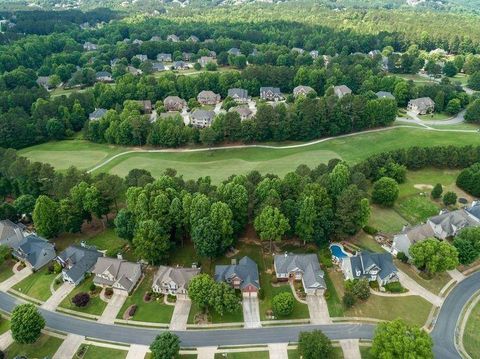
191 338
443 333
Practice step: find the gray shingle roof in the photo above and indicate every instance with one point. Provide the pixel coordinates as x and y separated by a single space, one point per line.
246 270
474 211
450 222
122 271
78 260
384 94
203 115
237 93
365 260
180 276
306 263
35 250
10 233
97 114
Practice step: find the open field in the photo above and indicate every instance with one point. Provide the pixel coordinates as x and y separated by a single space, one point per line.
471 336
219 164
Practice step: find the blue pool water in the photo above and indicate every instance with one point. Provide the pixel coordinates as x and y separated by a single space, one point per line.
337 251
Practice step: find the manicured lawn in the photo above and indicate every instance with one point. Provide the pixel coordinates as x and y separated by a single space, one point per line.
222 163
417 209
416 180
386 220
365 352
6 269
300 310
333 298
180 356
244 355
155 310
336 354
412 309
435 116
471 336
367 242
45 346
95 352
434 285
37 285
4 325
95 306
214 317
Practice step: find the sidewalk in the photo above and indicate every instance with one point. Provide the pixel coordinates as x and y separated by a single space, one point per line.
69 347
16 278
58 296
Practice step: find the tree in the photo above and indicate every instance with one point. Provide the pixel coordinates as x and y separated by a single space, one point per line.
450 69
449 198
223 298
454 106
338 179
165 346
125 224
45 217
314 345
305 225
359 288
385 191
348 299
282 304
151 242
437 191
353 211
467 243
474 81
26 324
271 225
434 256
472 114
199 290
81 299
5 252
25 204
396 339
138 178
469 180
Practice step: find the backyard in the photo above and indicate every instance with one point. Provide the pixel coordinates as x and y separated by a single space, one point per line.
44 347
95 306
154 310
37 285
471 336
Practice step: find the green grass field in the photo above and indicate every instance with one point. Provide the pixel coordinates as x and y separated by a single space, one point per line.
434 284
96 352
4 325
95 306
6 269
220 164
37 285
244 355
435 116
471 336
44 347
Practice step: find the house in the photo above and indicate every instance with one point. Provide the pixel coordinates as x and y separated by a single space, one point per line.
234 51
114 61
97 114
103 76
158 66
193 38
421 106
385 94
204 60
155 38
145 106
314 54
43 81
254 52
187 56
298 50
174 103
341 91
374 53
302 90
173 38
270 94
409 236
137 42
244 112
173 280
239 95
201 118
212 53
164 57
303 267
371 266
11 234
88 46
119 274
77 261
35 251
206 97
243 276
141 57
180 65
134 71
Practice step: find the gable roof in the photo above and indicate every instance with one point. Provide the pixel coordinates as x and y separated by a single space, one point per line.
238 93
97 114
422 102
246 270
342 89
384 94
203 115
364 261
313 275
180 276
78 260
35 250
234 51
123 272
450 222
273 90
10 233
302 90
243 111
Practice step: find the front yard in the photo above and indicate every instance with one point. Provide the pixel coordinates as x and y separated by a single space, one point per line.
45 347
471 336
95 306
4 325
243 355
6 269
95 352
154 310
37 285
336 354
434 285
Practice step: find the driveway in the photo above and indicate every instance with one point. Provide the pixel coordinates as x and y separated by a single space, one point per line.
6 340
113 307
137 351
58 296
14 279
180 314
318 309
278 351
251 312
350 349
417 289
69 347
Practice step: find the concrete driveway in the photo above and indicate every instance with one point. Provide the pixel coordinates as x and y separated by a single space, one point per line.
317 307
69 347
278 351
16 278
180 314
58 296
417 289
350 348
113 307
251 312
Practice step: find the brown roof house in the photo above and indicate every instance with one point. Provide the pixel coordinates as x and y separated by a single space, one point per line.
117 273
422 105
174 103
208 97
173 280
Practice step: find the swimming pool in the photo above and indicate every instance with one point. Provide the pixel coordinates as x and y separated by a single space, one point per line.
337 251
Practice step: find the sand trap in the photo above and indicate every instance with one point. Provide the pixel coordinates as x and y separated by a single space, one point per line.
423 187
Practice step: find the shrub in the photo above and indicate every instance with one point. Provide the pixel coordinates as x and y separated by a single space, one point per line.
147 297
50 269
361 289
449 198
402 257
108 292
283 303
93 287
394 287
437 191
132 310
261 294
385 191
313 345
274 280
81 299
469 180
348 299
58 281
370 230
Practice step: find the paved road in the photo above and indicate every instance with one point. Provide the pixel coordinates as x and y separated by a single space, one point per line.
192 338
444 332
